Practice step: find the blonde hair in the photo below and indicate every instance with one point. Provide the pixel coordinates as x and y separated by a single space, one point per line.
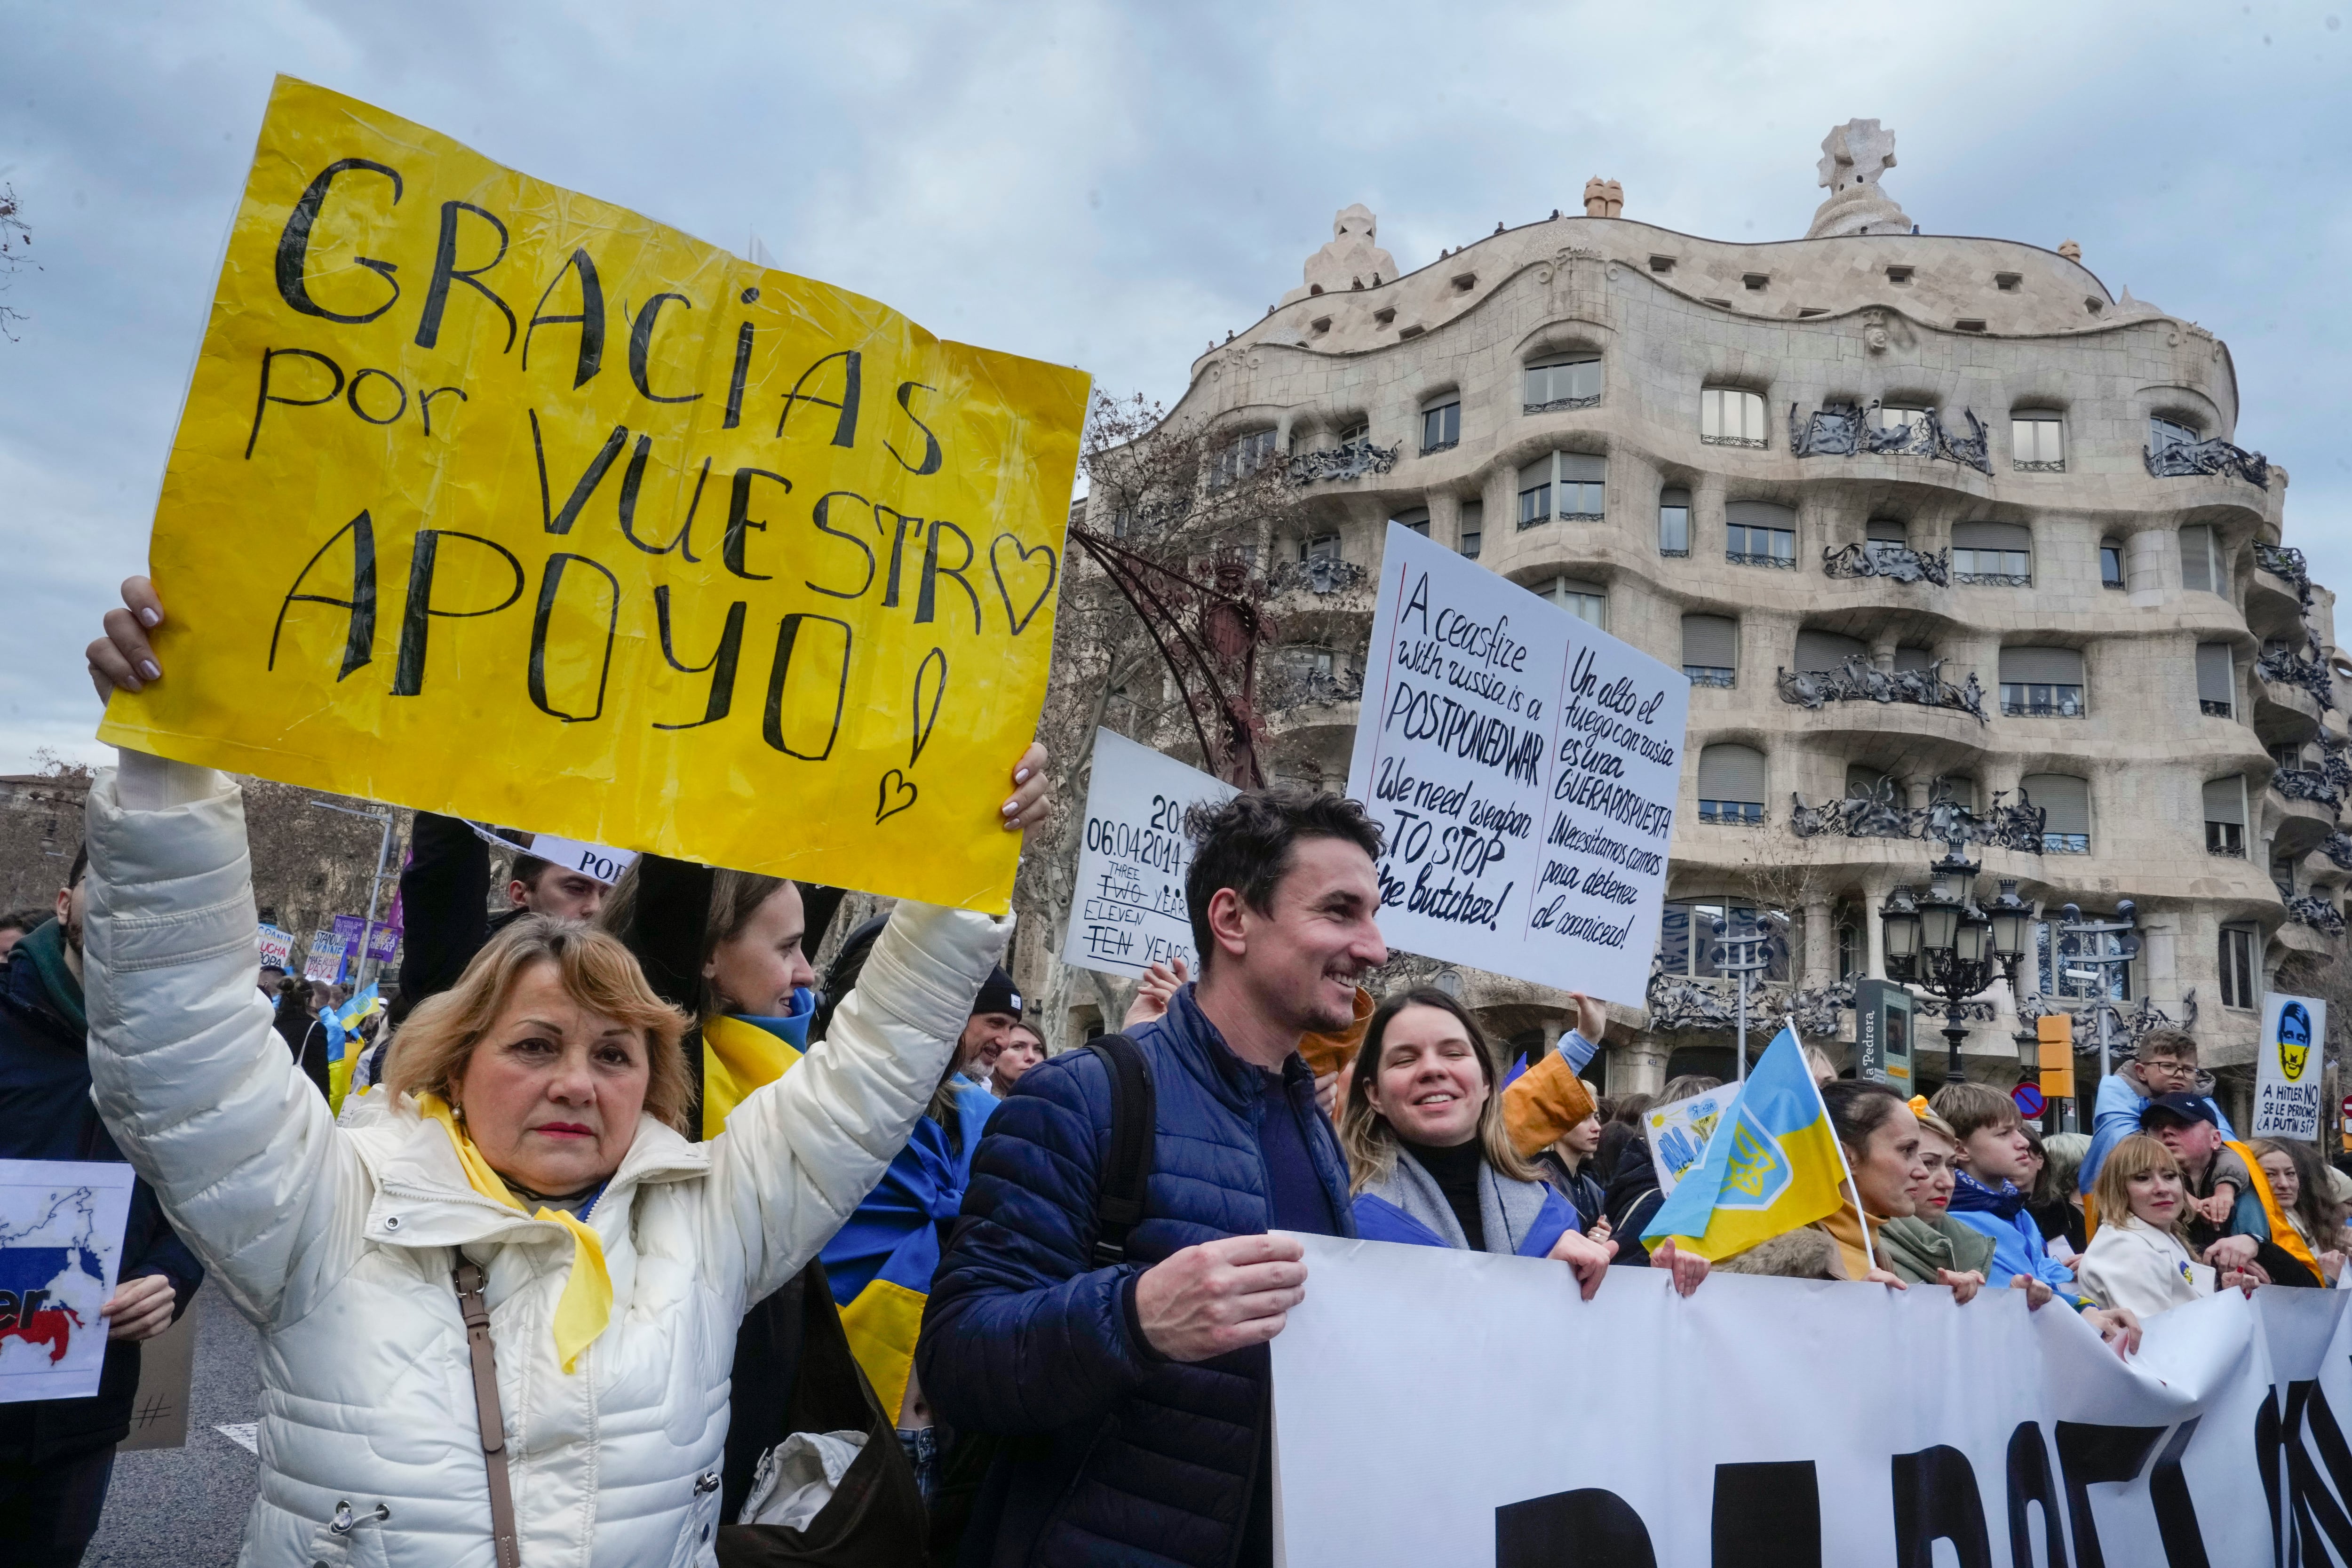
430 1053
1365 1135
2135 1156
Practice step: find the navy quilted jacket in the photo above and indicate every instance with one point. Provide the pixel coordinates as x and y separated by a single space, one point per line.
1116 1456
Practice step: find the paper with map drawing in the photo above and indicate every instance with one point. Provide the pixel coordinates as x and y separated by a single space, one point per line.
61 1227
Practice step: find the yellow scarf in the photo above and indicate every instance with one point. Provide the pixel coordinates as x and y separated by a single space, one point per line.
586 1304
2289 1240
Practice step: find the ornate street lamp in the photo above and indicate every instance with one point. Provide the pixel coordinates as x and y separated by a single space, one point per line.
1746 955
1942 942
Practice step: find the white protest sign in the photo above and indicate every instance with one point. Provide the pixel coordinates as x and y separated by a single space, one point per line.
277 946
2287 1066
328 952
1679 1131
61 1225
1130 910
597 862
1524 766
1774 1421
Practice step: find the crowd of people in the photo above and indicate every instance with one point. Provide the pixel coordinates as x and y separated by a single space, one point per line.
639 1240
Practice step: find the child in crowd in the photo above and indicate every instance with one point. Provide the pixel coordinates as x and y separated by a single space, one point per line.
1994 1160
2164 1063
2140 1258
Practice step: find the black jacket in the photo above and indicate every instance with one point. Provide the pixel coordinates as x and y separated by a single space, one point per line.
46 1114
444 902
1633 1199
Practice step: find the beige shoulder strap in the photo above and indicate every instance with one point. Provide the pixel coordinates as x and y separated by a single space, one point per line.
469 1280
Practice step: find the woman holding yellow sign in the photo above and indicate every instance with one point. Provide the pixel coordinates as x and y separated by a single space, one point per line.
504 1311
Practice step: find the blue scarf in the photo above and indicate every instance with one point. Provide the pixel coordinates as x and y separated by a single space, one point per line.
1972 1197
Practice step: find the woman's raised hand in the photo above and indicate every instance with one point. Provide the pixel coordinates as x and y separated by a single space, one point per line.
1032 804
122 657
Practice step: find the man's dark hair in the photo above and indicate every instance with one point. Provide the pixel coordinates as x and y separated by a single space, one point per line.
1246 844
81 865
527 868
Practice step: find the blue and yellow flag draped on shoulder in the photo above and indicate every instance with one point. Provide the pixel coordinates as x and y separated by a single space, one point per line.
879 1264
1773 1165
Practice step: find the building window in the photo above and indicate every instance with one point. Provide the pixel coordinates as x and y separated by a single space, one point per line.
1884 539
1441 425
1415 519
1895 421
1569 486
1686 937
1819 653
1242 457
2066 800
1588 601
2041 683
2200 561
1711 650
2225 816
2163 435
1321 547
1727 417
2237 972
1993 554
2217 680
2037 444
1759 533
1362 430
2111 565
1563 381
1673 522
2054 965
1730 785
1473 524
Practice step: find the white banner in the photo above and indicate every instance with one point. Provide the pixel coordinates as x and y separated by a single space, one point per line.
1130 910
1524 766
1442 1406
2287 1066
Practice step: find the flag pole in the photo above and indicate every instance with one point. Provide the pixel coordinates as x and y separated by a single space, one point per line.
1869 1252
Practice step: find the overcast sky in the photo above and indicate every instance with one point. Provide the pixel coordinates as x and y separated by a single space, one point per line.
1112 185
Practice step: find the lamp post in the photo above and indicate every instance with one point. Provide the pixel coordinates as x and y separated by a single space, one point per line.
1946 944
1745 957
2083 953
375 888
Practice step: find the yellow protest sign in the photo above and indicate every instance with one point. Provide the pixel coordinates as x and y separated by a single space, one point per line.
490 498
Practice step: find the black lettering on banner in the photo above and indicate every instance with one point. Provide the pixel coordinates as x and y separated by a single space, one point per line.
634 478
265 398
2031 1483
845 429
1019 619
1589 1528
352 395
416 614
934 669
1766 1515
824 506
2307 1510
2176 1512
294 245
722 662
551 586
589 319
739 522
925 597
445 270
583 487
788 653
1936 1498
359 636
742 369
641 343
425 403
930 463
2090 1453
898 527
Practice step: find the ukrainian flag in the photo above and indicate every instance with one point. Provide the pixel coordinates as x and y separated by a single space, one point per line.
1772 1165
344 1042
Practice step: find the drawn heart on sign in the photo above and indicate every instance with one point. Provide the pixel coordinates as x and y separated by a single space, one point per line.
1021 619
939 684
894 786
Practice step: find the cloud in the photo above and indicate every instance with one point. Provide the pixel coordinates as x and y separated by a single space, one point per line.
1115 185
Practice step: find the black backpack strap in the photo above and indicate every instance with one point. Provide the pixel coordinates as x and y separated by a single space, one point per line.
1134 1123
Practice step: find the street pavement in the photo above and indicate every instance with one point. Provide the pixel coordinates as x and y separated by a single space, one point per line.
186 1507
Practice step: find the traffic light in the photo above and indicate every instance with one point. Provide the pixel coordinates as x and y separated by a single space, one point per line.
2057 1034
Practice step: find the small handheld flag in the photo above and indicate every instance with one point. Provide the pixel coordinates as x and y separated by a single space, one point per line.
1772 1165
343 1039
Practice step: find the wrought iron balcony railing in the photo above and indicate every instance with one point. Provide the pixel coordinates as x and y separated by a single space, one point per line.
2317 913
2285 669
1876 816
2187 459
1859 680
1885 558
2287 565
2308 784
1846 430
1348 460
1317 574
1285 687
2337 846
1558 403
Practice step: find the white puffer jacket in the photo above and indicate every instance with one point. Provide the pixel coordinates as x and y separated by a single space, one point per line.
338 1243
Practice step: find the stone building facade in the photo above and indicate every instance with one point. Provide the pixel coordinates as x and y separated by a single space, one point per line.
1938 526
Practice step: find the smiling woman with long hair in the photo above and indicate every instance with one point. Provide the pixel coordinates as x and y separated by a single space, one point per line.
1430 1163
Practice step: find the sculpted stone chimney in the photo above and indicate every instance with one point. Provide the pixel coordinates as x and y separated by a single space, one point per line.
1853 157
1350 261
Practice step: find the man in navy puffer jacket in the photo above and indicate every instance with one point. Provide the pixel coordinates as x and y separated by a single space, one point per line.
1135 1398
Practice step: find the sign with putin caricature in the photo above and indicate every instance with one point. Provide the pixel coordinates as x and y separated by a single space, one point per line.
2286 1074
